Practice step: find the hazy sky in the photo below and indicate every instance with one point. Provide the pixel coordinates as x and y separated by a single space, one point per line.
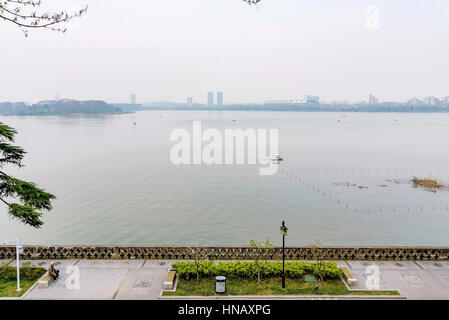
283 49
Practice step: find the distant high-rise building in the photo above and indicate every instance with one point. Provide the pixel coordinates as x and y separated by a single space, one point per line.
372 99
446 100
219 98
210 99
415 101
189 101
313 99
133 99
433 101
279 101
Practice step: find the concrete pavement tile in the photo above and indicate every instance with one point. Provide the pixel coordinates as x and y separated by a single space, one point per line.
157 264
445 279
111 264
59 264
93 284
413 279
363 280
343 264
433 265
384 265
142 284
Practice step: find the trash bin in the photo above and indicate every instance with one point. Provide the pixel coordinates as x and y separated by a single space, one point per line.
220 284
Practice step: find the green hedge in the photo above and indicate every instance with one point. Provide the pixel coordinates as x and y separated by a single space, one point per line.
248 269
9 273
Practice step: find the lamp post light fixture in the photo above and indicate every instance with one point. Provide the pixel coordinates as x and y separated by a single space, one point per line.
19 251
284 231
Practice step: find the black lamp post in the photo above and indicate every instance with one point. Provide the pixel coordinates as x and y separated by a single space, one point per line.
284 230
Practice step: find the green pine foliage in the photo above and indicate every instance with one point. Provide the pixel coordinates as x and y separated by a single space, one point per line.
31 200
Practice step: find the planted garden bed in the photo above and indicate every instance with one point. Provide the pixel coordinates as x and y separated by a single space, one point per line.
303 278
271 286
8 279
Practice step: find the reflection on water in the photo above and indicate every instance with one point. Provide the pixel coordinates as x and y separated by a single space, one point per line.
345 180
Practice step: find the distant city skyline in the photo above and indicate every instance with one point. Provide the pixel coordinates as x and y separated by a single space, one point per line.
210 100
311 99
166 51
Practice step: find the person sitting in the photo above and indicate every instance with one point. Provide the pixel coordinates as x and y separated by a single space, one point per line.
53 272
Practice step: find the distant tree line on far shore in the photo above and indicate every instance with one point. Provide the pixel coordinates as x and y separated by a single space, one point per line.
57 107
68 107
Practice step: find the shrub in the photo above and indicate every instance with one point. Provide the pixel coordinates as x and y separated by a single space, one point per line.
248 269
27 272
185 270
326 270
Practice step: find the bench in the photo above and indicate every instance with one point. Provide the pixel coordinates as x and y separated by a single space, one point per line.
169 282
348 277
45 281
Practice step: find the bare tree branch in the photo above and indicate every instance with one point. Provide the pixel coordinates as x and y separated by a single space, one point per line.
24 14
250 2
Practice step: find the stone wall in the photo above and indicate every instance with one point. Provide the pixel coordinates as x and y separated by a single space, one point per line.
227 253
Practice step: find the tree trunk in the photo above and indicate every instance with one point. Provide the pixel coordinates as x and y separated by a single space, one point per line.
197 276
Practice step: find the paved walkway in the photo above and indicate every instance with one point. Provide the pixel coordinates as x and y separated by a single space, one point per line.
143 279
103 279
414 280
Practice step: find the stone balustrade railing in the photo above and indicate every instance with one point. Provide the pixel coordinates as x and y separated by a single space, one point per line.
227 253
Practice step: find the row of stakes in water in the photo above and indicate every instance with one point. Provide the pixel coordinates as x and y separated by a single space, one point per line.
328 196
423 171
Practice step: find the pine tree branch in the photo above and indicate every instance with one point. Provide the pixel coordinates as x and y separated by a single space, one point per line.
4 201
31 197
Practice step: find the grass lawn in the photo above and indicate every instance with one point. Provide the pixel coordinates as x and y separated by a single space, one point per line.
272 286
8 283
8 288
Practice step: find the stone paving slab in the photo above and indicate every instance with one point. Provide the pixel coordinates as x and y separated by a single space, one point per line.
142 284
362 277
384 265
111 264
433 265
94 284
106 279
157 264
424 284
59 264
414 284
343 264
445 279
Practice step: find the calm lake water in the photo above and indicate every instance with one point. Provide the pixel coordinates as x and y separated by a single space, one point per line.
345 180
